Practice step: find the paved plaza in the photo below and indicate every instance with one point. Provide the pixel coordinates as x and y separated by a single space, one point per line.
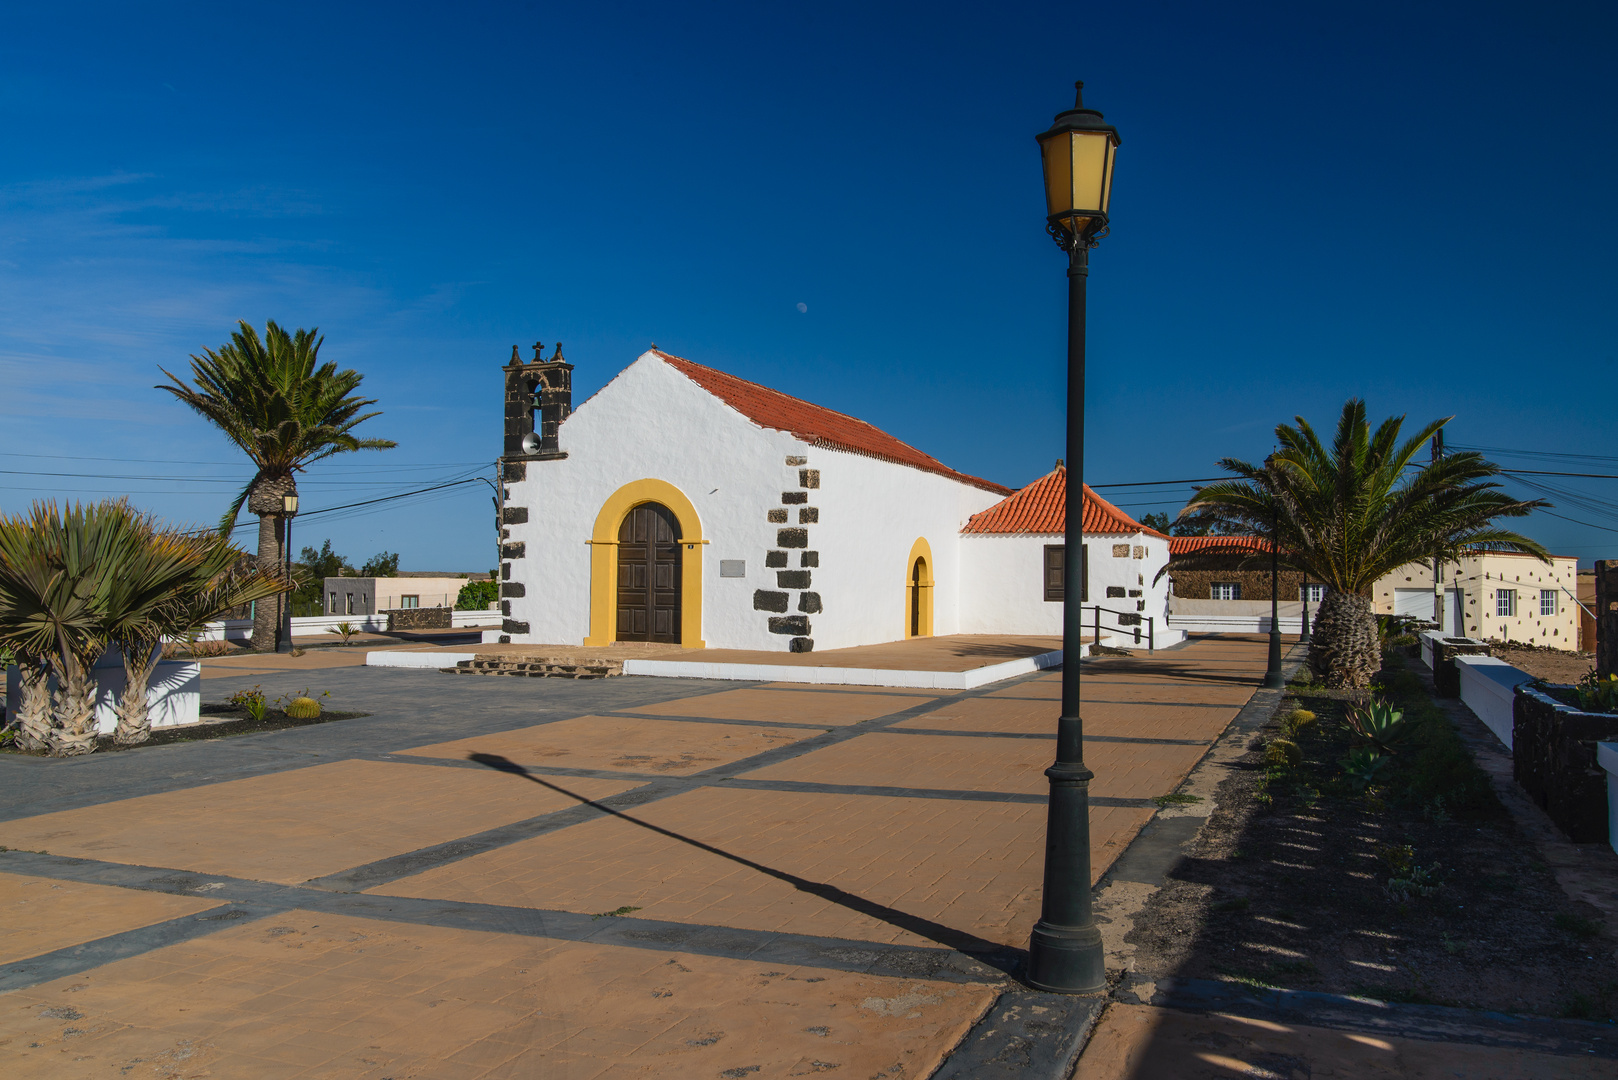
543 878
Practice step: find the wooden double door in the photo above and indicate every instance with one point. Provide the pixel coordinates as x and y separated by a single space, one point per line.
649 575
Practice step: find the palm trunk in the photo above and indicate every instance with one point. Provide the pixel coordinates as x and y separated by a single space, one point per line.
267 612
34 708
265 501
73 728
1344 650
134 714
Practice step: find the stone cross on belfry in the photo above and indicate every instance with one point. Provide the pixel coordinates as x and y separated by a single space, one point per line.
539 351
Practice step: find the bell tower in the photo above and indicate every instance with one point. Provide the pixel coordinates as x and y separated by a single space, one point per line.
539 396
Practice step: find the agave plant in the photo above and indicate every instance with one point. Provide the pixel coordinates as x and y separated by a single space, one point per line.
1378 723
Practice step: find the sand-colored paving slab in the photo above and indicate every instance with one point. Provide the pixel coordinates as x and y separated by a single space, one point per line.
944 762
1137 1042
39 915
837 688
957 866
964 763
293 826
310 995
1008 715
635 745
784 706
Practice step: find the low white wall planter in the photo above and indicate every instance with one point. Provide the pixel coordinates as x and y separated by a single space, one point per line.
1488 687
1607 758
173 696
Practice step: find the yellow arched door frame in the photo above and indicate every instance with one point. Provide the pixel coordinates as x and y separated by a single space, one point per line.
604 560
921 604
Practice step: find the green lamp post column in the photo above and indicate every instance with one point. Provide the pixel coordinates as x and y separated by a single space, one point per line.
1064 954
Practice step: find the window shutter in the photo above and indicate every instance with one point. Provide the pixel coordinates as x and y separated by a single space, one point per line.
1055 565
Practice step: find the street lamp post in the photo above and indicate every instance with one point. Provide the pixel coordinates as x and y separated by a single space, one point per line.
1273 678
289 510
1064 953
1303 628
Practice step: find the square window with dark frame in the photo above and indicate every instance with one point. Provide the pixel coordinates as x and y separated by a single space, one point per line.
1314 592
1547 601
1505 603
1056 567
409 601
1225 590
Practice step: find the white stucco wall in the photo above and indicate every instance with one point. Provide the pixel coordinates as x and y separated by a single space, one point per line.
652 422
1004 581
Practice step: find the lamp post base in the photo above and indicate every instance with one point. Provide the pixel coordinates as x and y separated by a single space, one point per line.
1066 959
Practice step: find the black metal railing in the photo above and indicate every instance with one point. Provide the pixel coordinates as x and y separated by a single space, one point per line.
1127 622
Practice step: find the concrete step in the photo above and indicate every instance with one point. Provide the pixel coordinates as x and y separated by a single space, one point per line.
537 667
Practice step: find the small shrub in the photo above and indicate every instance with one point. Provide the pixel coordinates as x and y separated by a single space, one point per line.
251 701
1177 798
346 629
1597 694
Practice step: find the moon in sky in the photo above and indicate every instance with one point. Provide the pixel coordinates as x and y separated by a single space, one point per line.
803 308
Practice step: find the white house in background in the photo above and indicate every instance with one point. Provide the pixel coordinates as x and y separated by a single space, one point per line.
1501 595
687 506
1012 558
369 595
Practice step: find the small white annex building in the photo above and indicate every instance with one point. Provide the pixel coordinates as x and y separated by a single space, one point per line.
687 506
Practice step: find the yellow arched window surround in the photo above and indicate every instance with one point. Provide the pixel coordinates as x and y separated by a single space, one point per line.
919 589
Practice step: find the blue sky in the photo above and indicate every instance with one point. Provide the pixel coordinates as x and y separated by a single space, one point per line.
1406 202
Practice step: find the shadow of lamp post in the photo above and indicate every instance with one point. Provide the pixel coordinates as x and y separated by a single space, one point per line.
1064 953
289 510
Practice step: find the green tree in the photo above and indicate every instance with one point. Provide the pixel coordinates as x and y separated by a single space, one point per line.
477 595
284 412
1352 512
382 564
313 568
1158 521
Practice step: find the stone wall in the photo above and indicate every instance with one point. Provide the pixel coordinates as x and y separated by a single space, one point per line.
1606 643
1554 759
420 618
1255 583
1446 677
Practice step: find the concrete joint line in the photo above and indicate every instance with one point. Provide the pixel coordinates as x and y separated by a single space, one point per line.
1025 1035
246 899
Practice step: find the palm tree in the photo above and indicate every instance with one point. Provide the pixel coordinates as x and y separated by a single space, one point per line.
270 399
1350 514
171 582
56 571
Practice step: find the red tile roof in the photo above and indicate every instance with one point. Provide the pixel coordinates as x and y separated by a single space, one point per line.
813 424
1041 508
1184 545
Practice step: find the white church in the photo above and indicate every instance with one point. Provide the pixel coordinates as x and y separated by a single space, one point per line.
683 505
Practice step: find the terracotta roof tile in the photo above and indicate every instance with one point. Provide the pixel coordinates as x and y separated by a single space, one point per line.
1184 545
1041 508
813 424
